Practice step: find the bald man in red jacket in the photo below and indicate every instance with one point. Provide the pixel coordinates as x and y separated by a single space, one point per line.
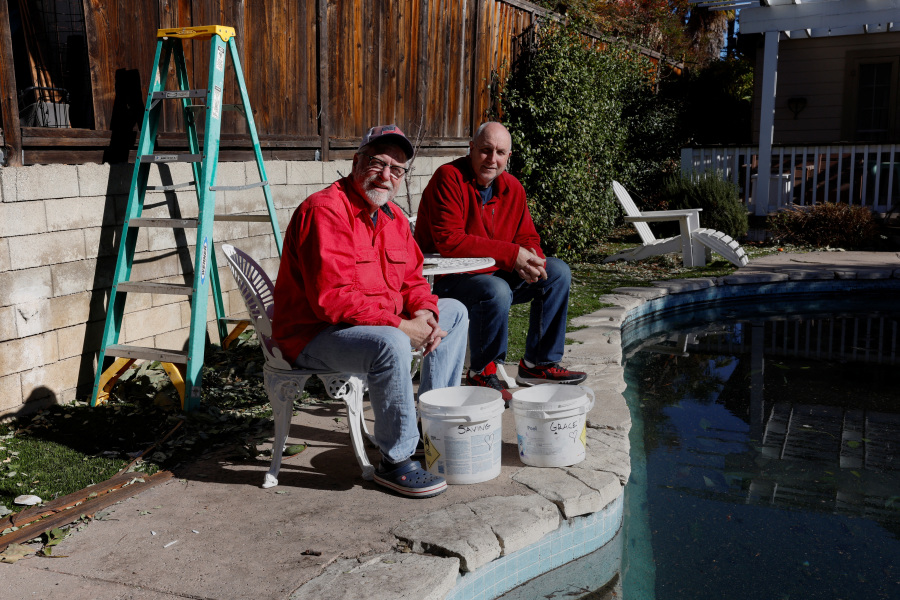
472 208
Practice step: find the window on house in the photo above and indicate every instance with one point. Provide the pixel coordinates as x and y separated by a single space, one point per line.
51 63
874 101
871 101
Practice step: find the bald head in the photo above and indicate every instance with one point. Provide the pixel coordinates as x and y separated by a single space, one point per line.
494 129
489 152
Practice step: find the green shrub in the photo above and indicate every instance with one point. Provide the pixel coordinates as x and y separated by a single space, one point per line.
824 225
722 207
574 112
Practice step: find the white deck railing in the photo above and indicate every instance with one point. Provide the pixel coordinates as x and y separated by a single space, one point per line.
862 175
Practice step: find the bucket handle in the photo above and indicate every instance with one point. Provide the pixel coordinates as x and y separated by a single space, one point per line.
590 392
455 418
584 388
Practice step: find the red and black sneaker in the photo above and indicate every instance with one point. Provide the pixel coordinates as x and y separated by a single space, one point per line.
488 378
547 374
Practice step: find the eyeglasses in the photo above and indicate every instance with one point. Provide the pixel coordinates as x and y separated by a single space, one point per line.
379 165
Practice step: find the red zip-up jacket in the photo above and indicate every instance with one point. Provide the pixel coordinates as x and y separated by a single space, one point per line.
337 267
453 222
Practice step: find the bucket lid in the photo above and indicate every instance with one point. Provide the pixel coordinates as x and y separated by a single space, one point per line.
552 397
468 402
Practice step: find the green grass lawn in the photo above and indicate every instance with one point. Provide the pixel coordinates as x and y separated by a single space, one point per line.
66 448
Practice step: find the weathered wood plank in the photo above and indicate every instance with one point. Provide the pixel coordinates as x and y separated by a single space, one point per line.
99 48
421 49
8 98
88 508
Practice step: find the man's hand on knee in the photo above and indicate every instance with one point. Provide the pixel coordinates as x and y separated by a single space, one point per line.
423 331
530 266
437 334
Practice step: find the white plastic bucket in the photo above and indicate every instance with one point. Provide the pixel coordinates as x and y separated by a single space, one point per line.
551 423
462 427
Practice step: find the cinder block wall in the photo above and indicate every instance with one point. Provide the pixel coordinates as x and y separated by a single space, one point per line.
59 234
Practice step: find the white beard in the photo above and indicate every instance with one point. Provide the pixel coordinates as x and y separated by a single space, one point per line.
378 197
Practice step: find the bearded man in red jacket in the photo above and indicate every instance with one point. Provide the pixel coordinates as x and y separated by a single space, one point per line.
350 297
472 207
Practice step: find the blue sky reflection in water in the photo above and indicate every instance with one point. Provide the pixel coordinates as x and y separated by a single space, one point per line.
764 453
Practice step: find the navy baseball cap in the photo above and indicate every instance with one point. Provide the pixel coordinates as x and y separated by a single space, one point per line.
387 134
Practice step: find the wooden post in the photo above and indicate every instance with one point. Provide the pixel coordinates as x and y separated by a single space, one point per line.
422 71
12 132
766 122
476 65
324 108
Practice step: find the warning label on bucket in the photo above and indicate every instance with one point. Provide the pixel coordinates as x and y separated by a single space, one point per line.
431 453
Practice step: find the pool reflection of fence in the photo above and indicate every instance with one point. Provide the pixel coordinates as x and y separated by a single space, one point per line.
870 339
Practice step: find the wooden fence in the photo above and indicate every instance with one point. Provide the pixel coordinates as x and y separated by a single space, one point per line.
319 72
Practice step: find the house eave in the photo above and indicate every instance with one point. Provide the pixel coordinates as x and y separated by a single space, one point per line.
823 18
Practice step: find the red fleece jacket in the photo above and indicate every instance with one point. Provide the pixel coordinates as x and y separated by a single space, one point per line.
453 221
337 267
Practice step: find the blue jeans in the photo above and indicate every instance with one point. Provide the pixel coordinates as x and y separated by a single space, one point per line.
489 297
383 354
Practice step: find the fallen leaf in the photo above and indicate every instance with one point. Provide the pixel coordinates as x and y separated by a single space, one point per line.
28 500
13 553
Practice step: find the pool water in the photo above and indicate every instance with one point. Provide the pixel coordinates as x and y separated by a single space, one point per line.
764 452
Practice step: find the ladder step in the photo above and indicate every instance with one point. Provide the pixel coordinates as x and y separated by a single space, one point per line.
244 218
249 186
175 95
177 357
192 223
161 222
174 157
169 188
202 32
148 287
170 94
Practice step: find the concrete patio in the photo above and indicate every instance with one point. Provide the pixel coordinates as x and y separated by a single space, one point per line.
213 533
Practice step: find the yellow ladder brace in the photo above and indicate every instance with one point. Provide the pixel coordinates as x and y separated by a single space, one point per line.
239 328
111 375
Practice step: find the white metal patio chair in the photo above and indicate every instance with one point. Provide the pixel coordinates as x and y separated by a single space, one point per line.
284 383
694 241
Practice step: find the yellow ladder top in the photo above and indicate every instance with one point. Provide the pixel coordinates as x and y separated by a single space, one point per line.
202 32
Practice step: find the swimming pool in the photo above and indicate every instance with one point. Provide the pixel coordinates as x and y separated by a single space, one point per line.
763 449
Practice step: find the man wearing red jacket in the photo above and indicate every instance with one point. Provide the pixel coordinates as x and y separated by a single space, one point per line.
350 296
472 207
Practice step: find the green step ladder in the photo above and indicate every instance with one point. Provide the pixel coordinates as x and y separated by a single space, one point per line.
183 367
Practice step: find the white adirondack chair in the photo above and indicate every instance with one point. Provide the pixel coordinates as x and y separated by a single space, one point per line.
693 242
